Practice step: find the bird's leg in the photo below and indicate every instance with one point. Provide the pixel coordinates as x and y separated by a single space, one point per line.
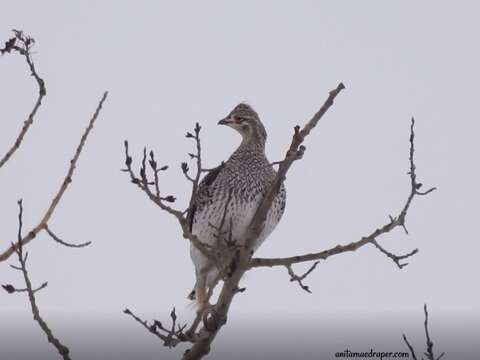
201 297
210 318
190 333
198 294
212 286
208 315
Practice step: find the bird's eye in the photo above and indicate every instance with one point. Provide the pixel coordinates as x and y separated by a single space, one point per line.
239 119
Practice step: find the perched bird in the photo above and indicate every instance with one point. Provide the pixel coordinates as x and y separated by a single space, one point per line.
227 199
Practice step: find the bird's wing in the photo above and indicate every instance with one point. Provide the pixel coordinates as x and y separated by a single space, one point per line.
203 190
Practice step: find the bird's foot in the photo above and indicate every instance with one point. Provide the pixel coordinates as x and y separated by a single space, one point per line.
212 320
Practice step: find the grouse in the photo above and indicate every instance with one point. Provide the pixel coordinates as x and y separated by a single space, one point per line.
227 198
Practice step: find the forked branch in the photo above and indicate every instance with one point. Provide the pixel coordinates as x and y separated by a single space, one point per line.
150 186
170 337
22 259
372 238
43 224
429 352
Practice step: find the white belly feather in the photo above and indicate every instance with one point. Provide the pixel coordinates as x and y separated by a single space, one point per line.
238 217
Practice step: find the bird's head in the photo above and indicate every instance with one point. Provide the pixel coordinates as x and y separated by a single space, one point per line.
246 121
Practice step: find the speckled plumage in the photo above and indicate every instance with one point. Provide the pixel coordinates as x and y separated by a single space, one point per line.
242 181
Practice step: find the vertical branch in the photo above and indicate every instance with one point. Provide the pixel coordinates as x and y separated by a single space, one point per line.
429 353
62 349
196 180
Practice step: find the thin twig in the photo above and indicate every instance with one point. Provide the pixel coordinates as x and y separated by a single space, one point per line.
63 187
143 184
11 289
395 258
26 43
60 241
170 337
429 354
410 347
196 180
300 278
185 169
276 163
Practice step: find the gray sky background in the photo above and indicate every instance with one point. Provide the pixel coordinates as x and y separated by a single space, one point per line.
170 64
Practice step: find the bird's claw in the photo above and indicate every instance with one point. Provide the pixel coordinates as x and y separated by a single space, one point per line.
211 319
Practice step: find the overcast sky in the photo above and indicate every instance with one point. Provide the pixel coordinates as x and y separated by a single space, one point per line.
170 64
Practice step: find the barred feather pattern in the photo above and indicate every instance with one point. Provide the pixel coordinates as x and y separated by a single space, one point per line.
238 186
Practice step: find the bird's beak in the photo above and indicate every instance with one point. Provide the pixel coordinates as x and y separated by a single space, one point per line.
224 121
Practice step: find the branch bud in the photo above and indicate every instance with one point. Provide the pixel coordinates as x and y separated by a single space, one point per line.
173 315
197 128
9 288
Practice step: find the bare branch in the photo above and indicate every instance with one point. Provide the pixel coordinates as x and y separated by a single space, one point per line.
323 255
412 351
372 238
196 180
156 170
23 49
298 279
11 289
143 183
60 241
63 187
429 353
395 258
170 337
295 152
415 186
62 349
276 163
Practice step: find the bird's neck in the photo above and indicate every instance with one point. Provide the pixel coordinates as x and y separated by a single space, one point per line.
252 144
249 149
